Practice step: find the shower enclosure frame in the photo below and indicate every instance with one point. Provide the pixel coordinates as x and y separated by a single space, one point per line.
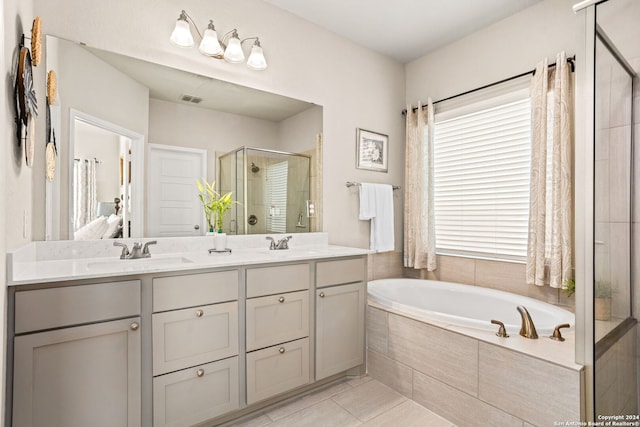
245 176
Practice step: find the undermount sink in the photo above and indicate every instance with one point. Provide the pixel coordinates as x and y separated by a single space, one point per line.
138 263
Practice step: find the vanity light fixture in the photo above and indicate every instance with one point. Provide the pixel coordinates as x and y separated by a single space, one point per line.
228 48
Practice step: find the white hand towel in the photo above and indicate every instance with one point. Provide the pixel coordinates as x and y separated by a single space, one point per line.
376 203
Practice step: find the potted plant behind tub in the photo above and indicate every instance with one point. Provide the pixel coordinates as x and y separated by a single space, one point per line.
602 300
215 206
601 297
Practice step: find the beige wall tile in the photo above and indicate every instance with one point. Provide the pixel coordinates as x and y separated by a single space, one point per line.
456 406
531 389
386 265
368 400
506 276
377 330
391 373
456 269
447 356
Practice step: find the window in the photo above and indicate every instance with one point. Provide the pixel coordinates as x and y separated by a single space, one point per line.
481 181
277 197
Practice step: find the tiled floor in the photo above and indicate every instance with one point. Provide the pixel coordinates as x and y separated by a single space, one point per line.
361 402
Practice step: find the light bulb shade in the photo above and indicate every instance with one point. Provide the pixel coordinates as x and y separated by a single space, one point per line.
256 59
181 34
210 45
234 53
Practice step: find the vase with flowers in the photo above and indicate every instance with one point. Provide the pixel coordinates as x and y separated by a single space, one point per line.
215 206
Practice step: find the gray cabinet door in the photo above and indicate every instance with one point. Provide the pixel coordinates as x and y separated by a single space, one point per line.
277 369
77 377
184 338
277 318
339 328
197 394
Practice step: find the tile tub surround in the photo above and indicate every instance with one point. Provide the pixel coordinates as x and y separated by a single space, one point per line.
499 382
52 261
502 275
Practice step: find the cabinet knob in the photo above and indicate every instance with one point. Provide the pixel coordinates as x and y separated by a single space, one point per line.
134 326
281 350
321 295
200 372
199 313
281 299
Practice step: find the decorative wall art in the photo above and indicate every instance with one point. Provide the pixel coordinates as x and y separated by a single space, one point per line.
372 150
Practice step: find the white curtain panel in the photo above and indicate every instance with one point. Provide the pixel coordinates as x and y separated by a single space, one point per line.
550 205
84 192
419 218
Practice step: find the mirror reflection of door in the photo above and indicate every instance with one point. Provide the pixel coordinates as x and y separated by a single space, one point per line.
100 204
173 206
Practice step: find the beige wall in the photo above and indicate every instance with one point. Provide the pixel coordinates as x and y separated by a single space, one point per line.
171 123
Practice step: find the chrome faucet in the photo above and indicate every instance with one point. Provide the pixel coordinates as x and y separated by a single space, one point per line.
280 244
137 250
528 329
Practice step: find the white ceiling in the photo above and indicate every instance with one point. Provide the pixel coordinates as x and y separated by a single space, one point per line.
170 84
403 29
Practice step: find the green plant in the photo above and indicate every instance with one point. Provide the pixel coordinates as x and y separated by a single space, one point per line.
569 286
214 205
602 289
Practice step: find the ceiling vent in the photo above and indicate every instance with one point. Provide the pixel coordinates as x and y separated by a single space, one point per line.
191 98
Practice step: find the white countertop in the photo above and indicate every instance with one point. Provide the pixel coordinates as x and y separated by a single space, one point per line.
41 262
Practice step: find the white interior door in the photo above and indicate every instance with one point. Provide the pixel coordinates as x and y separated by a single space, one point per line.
173 205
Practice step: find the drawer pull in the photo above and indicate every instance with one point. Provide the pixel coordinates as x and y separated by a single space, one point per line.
200 372
199 313
281 299
134 326
281 350
321 295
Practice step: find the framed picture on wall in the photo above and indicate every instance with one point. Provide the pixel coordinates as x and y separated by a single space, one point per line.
371 150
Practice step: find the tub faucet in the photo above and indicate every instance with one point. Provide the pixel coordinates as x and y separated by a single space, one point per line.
528 329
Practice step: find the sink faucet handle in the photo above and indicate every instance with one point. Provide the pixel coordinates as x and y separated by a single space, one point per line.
272 245
502 332
145 249
557 336
125 249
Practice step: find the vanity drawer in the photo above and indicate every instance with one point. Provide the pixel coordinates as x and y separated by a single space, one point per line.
170 293
275 280
330 273
194 395
277 369
73 305
277 318
193 336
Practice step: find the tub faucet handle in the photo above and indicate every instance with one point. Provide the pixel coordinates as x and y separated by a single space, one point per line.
502 332
557 336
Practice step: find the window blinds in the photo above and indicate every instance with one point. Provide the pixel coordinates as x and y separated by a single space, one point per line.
277 197
481 182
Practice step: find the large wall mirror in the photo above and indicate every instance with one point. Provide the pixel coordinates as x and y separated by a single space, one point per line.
133 137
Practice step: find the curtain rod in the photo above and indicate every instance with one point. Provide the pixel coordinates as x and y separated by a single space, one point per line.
95 158
570 60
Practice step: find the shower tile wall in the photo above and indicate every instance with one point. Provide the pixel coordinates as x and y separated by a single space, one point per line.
613 172
635 266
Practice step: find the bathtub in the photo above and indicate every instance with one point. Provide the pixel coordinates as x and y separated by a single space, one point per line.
449 303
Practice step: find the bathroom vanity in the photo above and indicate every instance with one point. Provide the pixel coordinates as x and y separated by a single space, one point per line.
182 338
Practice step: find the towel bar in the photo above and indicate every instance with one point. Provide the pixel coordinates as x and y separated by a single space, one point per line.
357 184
